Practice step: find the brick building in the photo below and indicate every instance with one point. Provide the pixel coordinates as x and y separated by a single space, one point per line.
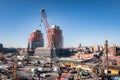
56 37
36 39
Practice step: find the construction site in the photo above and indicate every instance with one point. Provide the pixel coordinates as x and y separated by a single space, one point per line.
44 63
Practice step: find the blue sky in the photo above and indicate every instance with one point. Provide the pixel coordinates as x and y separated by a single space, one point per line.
88 22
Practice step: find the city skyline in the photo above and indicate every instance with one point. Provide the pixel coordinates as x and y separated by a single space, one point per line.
88 22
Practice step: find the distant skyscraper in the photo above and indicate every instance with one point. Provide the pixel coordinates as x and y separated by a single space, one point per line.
79 46
1 47
36 39
56 37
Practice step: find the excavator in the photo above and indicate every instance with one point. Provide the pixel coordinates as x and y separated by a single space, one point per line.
98 71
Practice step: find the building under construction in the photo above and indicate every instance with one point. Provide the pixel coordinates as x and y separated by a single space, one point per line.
36 39
56 37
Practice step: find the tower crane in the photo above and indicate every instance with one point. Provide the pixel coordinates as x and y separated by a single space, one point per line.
49 36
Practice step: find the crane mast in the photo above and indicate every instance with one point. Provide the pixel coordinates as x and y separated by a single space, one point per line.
49 35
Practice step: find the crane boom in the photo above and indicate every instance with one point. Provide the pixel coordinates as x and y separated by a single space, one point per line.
44 16
47 26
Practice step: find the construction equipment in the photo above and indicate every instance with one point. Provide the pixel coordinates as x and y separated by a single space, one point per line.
1 54
70 64
99 71
106 55
47 26
114 71
49 36
14 70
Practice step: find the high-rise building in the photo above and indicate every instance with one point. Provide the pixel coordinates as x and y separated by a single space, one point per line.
56 37
36 39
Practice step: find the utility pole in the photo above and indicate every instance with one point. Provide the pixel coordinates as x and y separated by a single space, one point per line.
106 55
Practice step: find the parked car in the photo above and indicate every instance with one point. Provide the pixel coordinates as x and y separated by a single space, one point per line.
69 77
73 71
